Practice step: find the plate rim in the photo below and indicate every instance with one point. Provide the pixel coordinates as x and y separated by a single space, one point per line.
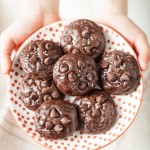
70 20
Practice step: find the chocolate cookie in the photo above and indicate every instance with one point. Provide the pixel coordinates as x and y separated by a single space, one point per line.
35 92
56 119
75 74
38 58
83 36
97 112
119 73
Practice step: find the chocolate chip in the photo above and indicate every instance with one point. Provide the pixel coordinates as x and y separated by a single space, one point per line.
90 76
30 82
99 99
84 107
46 83
43 117
85 34
39 66
65 120
84 42
87 50
72 77
33 59
95 50
104 64
49 46
82 86
120 72
76 51
56 121
54 113
98 106
81 64
48 61
96 113
55 94
47 97
112 77
58 127
33 96
49 125
33 47
67 39
26 93
45 90
91 40
42 122
117 62
89 112
64 68
125 77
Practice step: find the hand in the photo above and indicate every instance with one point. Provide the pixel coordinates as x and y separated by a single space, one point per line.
22 28
113 13
134 35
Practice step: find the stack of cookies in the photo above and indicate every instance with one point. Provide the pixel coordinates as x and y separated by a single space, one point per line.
79 68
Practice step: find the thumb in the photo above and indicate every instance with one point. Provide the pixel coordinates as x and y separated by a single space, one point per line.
13 37
143 49
7 45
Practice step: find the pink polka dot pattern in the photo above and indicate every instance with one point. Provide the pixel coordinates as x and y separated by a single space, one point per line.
127 105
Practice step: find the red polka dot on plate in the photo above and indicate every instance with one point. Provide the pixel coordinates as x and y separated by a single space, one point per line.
16 65
108 41
101 27
31 123
60 24
11 91
23 125
38 36
19 119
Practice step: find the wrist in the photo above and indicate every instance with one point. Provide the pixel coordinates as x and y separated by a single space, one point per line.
44 7
109 9
109 19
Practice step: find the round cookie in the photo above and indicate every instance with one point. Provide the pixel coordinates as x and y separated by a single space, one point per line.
119 73
75 74
97 112
56 119
38 58
35 92
83 36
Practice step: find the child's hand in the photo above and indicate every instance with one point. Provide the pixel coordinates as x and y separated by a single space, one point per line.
19 31
134 35
113 13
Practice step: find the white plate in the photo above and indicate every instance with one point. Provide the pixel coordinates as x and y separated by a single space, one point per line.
127 105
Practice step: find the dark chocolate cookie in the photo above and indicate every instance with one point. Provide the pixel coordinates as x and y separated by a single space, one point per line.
97 112
38 58
35 92
56 119
75 74
83 36
119 72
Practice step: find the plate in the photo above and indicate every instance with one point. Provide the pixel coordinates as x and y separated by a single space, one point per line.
127 105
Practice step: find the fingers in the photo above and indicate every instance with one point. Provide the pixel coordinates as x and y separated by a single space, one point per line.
13 36
142 47
6 46
135 37
17 33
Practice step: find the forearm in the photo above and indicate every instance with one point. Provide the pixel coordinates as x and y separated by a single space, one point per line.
103 9
50 7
